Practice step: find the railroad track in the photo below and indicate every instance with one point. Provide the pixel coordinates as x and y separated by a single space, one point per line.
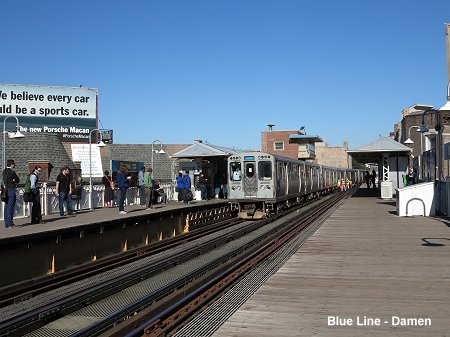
167 322
172 286
31 288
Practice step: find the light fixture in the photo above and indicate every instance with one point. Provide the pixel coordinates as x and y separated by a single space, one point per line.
161 151
422 129
16 134
408 141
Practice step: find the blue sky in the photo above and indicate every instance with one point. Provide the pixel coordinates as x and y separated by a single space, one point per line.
221 70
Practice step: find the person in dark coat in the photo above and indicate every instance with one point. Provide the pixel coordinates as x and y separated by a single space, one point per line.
123 182
373 177
180 186
186 187
109 192
36 214
367 179
202 184
64 190
10 180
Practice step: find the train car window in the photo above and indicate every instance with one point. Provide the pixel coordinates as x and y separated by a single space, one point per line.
249 170
235 171
280 171
265 170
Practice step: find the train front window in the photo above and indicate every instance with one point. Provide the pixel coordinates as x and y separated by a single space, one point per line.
265 170
235 171
249 170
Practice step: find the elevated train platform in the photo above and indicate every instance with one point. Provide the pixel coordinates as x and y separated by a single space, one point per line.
364 272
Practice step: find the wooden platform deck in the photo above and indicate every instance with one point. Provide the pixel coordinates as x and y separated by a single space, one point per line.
367 270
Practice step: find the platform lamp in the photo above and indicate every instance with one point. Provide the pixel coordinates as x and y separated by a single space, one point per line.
16 134
409 141
100 144
161 151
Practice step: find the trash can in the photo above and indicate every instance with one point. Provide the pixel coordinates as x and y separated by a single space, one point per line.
386 189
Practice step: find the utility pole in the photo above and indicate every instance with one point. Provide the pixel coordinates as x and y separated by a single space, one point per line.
447 40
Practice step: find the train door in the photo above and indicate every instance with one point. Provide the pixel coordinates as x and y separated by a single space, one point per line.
281 179
308 181
250 180
293 179
314 178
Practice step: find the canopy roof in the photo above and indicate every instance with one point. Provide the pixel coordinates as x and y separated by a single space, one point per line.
201 149
301 139
374 150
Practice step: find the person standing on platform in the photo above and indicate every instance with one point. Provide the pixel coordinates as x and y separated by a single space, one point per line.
64 191
224 185
367 179
142 196
36 213
109 191
10 181
148 186
123 182
412 176
186 187
373 177
180 186
202 183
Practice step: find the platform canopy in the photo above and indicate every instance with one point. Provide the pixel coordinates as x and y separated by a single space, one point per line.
302 139
200 149
374 151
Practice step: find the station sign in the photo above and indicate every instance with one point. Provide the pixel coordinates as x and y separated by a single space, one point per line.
70 112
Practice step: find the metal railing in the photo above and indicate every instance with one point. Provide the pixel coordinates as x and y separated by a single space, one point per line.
50 201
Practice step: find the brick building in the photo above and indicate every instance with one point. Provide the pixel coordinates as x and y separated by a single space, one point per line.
334 156
294 144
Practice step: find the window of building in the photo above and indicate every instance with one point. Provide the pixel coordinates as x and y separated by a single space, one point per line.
278 145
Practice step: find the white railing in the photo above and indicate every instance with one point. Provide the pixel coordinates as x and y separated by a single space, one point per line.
50 201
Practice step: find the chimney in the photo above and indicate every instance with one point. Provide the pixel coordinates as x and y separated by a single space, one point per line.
270 126
196 141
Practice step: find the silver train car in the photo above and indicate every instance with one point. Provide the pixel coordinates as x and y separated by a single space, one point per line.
261 183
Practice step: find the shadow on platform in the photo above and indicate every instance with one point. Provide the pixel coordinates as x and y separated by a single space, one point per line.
362 192
429 243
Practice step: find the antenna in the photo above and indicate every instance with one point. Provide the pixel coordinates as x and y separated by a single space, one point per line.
303 128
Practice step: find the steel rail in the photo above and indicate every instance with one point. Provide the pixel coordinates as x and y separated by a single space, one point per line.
25 290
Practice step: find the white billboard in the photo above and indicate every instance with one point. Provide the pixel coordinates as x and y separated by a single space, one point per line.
71 112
